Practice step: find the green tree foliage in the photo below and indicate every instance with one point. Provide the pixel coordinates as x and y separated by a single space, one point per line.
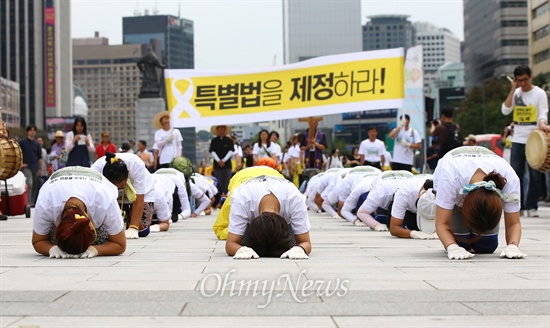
470 116
204 135
541 82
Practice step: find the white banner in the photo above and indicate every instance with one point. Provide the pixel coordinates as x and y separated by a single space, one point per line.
414 90
320 86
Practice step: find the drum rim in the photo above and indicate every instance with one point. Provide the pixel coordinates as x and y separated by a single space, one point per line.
543 139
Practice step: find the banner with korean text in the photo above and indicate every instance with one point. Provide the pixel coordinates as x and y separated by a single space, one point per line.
320 86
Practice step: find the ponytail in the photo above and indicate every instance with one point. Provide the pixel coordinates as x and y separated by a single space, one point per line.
115 170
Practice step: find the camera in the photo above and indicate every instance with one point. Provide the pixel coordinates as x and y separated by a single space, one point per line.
435 122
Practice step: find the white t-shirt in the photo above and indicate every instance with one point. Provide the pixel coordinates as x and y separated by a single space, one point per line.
401 154
529 109
325 179
170 150
387 159
294 151
179 181
407 194
382 191
238 151
311 188
330 194
137 173
244 208
456 168
372 150
164 189
277 150
353 177
89 186
205 184
363 185
262 151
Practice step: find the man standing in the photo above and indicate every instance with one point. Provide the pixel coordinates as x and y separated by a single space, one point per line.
530 106
167 141
313 144
371 150
221 149
104 146
44 163
407 140
443 131
145 155
32 162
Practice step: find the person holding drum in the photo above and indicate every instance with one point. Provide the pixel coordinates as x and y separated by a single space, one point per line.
77 216
473 186
530 106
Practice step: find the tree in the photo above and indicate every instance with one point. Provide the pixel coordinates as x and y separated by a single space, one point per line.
541 82
204 135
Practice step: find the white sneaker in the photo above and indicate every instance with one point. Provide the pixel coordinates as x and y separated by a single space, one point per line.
533 213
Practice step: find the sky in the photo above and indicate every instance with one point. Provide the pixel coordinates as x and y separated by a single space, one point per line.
233 34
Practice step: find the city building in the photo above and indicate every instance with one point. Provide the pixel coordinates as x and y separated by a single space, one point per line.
312 29
388 31
539 37
176 36
110 80
9 103
35 51
439 46
448 89
495 39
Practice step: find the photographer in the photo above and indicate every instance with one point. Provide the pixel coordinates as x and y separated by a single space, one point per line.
446 132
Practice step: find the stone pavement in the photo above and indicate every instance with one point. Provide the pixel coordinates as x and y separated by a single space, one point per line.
355 277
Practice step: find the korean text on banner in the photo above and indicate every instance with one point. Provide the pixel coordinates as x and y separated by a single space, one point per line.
319 86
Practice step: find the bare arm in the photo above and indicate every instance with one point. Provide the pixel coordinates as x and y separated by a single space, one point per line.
115 245
443 226
361 159
397 230
137 210
304 241
233 243
513 228
41 243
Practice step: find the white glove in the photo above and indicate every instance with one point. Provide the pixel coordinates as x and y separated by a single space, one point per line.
89 253
455 252
402 123
154 228
170 137
336 216
57 253
405 143
422 235
359 223
512 252
132 233
381 227
245 253
295 253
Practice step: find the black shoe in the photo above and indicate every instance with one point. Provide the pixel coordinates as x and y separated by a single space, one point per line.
174 218
3 217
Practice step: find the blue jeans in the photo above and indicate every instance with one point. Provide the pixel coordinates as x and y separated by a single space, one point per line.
517 160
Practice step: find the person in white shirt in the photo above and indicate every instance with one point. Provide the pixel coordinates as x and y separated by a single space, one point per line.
164 189
145 155
77 215
311 192
335 160
180 198
237 153
379 198
274 138
268 218
330 194
371 150
403 209
350 180
530 106
407 140
126 171
359 192
264 147
388 161
473 186
167 141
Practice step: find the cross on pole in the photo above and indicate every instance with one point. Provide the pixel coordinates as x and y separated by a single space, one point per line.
311 121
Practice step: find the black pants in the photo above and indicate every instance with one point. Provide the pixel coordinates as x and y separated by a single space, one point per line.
398 166
373 164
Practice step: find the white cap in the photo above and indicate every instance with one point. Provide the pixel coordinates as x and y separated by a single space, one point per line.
425 212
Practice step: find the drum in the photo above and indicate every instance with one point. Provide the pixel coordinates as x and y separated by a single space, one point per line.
537 150
10 154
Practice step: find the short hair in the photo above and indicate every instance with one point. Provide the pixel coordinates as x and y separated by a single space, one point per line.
406 117
482 208
143 142
522 70
435 142
105 133
269 235
31 127
372 128
274 133
267 161
71 235
429 183
447 112
115 172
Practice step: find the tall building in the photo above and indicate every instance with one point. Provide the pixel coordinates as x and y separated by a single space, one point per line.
539 37
176 37
495 38
388 31
439 46
110 80
35 52
318 28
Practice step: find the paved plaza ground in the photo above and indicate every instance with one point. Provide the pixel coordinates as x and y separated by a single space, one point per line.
355 277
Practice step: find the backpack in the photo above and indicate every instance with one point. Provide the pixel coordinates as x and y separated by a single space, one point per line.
185 166
453 139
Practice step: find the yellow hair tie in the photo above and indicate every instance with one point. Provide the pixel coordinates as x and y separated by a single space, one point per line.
78 216
113 160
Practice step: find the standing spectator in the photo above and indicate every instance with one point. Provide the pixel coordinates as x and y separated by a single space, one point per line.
221 149
78 144
443 130
32 162
274 138
248 156
264 147
167 141
105 146
407 140
371 150
238 153
530 106
56 153
132 143
353 159
145 155
335 160
125 147
44 163
432 156
313 146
